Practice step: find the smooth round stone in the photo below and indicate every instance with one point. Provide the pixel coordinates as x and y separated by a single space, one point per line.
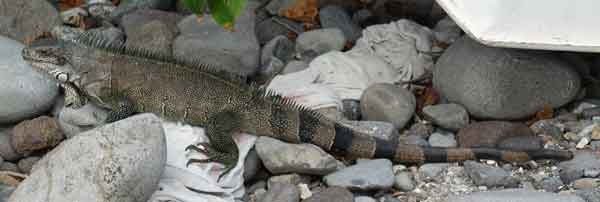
24 93
389 103
502 83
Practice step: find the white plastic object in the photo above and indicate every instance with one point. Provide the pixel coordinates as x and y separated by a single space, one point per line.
529 24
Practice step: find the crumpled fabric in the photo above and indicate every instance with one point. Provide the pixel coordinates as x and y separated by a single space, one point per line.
202 177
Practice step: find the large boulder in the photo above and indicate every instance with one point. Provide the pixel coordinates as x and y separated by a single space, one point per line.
503 83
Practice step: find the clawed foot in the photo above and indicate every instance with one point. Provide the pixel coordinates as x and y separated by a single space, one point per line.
227 159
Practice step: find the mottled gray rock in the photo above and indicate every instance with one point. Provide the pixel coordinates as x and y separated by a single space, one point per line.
442 139
334 16
275 55
277 7
151 29
294 66
503 83
281 157
546 127
331 194
276 26
364 199
134 20
448 116
388 103
422 129
7 152
589 195
316 42
575 168
26 164
379 129
514 195
414 140
489 176
551 184
74 121
404 182
25 92
237 52
20 20
127 6
432 170
120 162
490 133
9 166
283 192
369 175
293 179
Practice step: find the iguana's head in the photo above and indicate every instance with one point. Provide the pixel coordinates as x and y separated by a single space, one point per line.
49 56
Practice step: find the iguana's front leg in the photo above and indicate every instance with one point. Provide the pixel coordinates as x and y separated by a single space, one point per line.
222 148
120 107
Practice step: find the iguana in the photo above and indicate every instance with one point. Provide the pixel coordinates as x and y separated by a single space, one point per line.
129 80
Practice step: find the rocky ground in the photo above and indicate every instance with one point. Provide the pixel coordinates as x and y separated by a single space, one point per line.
434 94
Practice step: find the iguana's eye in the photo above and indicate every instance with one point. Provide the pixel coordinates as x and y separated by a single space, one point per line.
62 77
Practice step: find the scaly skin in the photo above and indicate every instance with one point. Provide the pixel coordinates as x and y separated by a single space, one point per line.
128 81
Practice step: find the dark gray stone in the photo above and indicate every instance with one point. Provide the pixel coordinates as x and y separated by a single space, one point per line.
574 169
388 103
275 55
283 192
334 16
489 176
275 26
280 157
331 194
26 164
514 195
502 83
363 17
368 175
20 20
448 116
319 41
252 165
151 30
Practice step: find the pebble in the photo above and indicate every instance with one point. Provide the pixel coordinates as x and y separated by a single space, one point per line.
404 181
294 66
574 169
591 173
7 152
499 84
414 140
448 116
280 157
515 195
37 134
26 93
546 127
26 164
331 194
551 184
333 16
275 54
368 175
22 19
293 179
422 129
276 26
388 103
283 192
447 31
364 199
489 176
432 170
237 52
126 158
442 139
489 133
313 43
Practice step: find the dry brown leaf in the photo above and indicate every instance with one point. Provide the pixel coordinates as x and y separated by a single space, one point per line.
303 11
11 178
64 5
546 113
30 39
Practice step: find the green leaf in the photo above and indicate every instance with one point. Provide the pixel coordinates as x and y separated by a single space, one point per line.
197 6
226 11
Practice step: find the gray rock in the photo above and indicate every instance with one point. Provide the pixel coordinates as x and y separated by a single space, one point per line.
151 30
591 173
586 183
442 139
334 16
364 199
313 43
6 191
489 176
595 145
252 165
134 20
589 195
282 192
446 31
331 194
237 52
275 54
388 103
575 168
280 157
277 7
127 6
369 175
422 129
404 182
362 17
514 195
448 116
8 166
7 152
294 66
276 26
414 140
379 129
26 164
293 179
551 184
546 127
433 170
502 83
20 20
124 159
25 92
74 121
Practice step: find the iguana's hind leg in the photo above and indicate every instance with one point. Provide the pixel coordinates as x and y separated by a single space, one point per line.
222 148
